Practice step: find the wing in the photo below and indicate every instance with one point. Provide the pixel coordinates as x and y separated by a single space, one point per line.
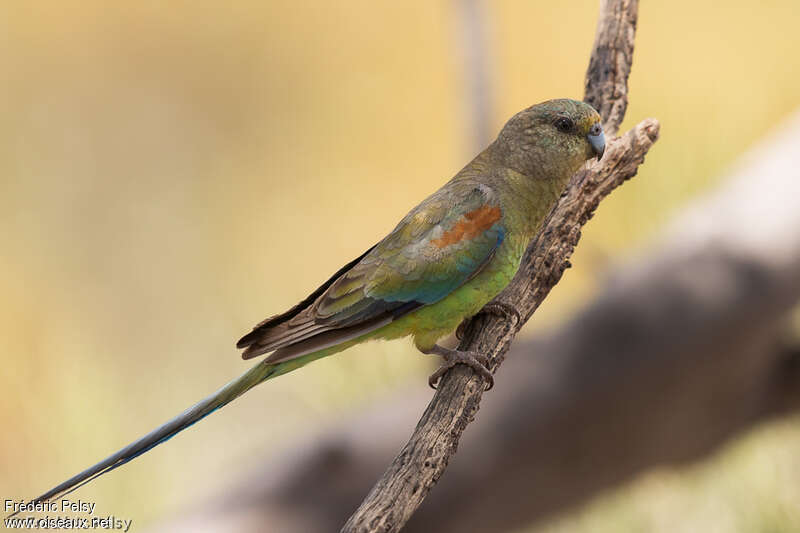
436 248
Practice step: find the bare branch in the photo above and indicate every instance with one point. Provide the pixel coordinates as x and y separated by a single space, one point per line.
424 458
610 64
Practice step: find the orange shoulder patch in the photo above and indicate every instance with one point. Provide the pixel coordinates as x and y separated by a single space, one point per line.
469 226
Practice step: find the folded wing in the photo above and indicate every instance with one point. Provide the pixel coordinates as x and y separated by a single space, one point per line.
435 249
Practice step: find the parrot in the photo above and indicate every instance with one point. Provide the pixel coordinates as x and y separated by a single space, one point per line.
446 259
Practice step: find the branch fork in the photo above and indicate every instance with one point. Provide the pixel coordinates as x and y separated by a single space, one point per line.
423 460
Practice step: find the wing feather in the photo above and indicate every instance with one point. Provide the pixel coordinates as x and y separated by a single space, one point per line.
269 323
437 247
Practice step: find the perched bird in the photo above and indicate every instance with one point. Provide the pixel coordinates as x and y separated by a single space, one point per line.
443 262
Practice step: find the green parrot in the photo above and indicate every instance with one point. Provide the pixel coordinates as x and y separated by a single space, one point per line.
443 262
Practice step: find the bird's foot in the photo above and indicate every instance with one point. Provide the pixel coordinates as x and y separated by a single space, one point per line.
476 361
461 330
500 309
503 310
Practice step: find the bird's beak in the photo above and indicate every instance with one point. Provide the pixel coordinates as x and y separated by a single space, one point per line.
597 139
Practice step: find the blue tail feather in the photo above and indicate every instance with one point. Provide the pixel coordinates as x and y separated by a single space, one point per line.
166 431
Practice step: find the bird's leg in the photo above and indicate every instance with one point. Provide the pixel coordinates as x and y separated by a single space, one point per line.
500 309
476 361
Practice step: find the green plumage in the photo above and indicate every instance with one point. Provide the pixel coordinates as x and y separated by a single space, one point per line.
445 260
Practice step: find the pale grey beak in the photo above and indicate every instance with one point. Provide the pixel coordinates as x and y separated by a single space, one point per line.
597 139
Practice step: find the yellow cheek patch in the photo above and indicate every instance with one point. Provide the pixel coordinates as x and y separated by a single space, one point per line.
587 122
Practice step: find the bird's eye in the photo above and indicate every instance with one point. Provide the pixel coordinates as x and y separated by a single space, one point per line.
564 124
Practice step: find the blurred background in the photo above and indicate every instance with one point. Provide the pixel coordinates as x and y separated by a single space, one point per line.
172 173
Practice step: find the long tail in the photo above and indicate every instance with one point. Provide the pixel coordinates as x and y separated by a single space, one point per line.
259 373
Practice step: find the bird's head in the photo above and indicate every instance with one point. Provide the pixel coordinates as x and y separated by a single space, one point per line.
551 140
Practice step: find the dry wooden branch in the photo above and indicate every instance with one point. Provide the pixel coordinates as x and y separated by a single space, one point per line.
610 64
412 474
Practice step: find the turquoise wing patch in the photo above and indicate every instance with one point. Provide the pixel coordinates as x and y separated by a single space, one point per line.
435 249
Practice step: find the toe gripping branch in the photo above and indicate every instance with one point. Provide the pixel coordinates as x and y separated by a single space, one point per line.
476 361
503 310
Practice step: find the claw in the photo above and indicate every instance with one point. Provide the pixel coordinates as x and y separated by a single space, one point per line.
504 310
495 308
476 361
461 330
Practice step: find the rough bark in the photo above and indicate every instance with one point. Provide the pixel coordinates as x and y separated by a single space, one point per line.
423 460
683 349
610 64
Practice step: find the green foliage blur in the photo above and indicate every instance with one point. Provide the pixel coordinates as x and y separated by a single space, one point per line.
173 172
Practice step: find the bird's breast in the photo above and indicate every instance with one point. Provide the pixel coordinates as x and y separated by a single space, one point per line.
431 322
